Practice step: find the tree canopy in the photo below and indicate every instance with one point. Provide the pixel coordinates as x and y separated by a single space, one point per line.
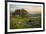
20 12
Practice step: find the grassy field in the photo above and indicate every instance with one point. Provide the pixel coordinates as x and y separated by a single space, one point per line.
25 22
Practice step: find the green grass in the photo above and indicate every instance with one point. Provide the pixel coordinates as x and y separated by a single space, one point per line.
15 22
23 22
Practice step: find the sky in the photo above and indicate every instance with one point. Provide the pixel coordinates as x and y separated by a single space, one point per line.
32 9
